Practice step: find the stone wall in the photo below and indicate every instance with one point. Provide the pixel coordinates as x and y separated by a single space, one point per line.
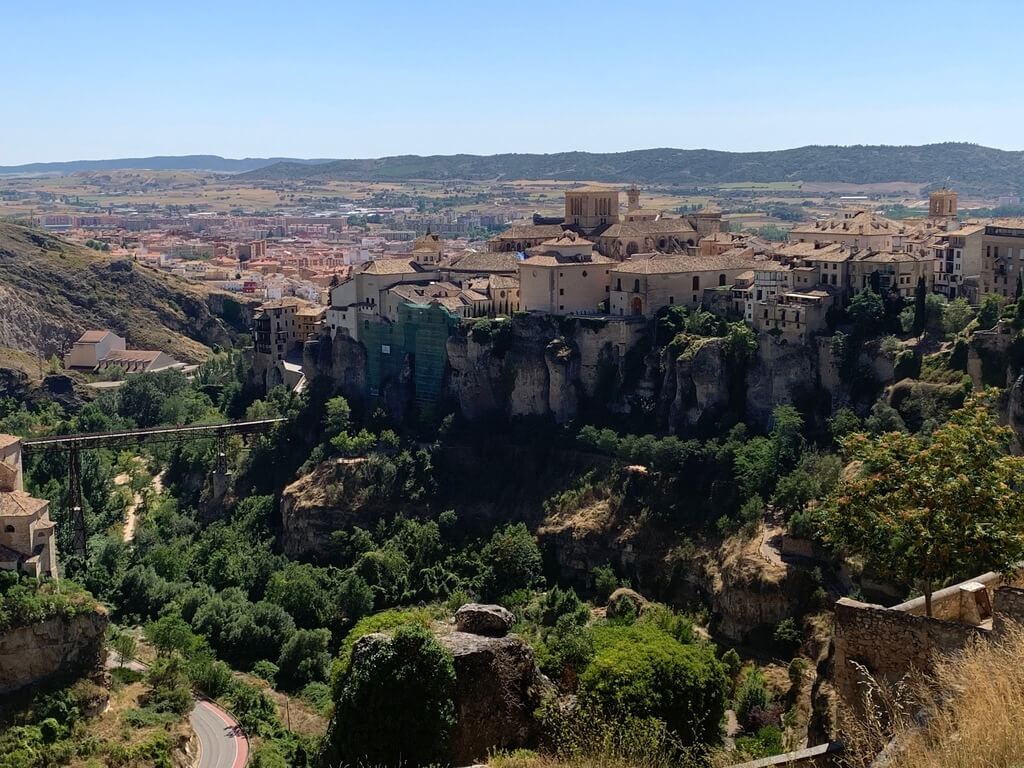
891 642
60 645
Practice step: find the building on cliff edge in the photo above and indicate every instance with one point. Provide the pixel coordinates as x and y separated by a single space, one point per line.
28 541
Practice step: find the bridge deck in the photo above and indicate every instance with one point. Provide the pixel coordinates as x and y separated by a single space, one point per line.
151 435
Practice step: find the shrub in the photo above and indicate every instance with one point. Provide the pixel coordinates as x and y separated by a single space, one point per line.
265 670
751 693
378 622
304 659
513 561
605 582
396 706
642 672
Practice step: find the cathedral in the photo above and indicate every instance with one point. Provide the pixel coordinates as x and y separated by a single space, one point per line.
593 212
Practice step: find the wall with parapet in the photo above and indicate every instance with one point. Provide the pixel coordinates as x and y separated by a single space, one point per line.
890 642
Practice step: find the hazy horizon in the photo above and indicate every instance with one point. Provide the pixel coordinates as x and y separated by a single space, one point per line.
343 80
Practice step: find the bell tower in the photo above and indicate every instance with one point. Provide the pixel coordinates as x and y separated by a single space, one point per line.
633 196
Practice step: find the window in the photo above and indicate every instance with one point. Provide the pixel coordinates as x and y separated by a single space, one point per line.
671 299
561 291
584 273
696 282
721 279
636 286
8 529
618 284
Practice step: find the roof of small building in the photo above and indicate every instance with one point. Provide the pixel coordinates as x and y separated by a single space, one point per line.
889 257
662 263
566 239
483 261
20 504
285 302
860 223
389 267
529 232
131 356
8 440
557 259
93 337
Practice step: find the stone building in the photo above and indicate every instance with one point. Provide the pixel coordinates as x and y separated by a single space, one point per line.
564 276
855 229
27 535
644 283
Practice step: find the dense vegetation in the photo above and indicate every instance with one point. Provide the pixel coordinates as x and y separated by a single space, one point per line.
969 166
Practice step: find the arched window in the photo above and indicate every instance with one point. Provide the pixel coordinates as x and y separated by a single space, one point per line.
721 279
8 529
632 248
696 282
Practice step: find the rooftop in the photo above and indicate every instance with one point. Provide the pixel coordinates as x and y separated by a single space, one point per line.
20 504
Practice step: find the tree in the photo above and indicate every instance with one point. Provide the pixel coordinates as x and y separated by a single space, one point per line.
956 315
171 633
513 561
395 705
932 510
1019 292
124 644
867 312
786 437
643 672
920 307
304 659
988 313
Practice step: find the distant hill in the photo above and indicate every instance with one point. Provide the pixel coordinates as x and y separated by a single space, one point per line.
159 163
969 166
51 291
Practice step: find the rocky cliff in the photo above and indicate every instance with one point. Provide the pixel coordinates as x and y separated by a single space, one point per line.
568 368
57 646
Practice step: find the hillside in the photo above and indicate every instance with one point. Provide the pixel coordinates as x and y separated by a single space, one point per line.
51 291
158 163
969 166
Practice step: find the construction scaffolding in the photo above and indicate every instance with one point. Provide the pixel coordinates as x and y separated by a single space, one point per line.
418 336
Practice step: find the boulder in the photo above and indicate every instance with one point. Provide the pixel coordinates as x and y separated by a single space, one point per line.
623 602
487 620
497 690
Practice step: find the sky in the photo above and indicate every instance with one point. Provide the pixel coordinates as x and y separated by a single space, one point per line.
330 78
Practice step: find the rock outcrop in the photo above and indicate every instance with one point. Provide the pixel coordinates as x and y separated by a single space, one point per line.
58 646
497 689
487 620
624 602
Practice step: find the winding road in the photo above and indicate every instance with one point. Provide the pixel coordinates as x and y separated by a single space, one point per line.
222 743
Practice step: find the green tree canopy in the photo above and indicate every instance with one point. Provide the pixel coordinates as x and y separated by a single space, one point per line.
932 510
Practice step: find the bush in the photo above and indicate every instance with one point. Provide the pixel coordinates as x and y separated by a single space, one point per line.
642 672
304 659
513 561
378 622
605 582
265 670
396 706
751 693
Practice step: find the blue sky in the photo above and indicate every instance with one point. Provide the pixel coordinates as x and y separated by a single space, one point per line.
105 78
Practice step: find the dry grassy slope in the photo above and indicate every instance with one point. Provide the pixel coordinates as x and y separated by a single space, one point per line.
52 291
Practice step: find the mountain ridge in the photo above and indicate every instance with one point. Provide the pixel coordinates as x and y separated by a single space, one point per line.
970 167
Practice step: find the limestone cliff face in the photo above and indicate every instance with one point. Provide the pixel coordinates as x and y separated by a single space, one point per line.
60 645
557 368
340 359
780 373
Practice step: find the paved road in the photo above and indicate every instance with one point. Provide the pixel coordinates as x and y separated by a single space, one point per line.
221 741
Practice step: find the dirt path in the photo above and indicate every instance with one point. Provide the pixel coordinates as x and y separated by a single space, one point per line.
130 517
